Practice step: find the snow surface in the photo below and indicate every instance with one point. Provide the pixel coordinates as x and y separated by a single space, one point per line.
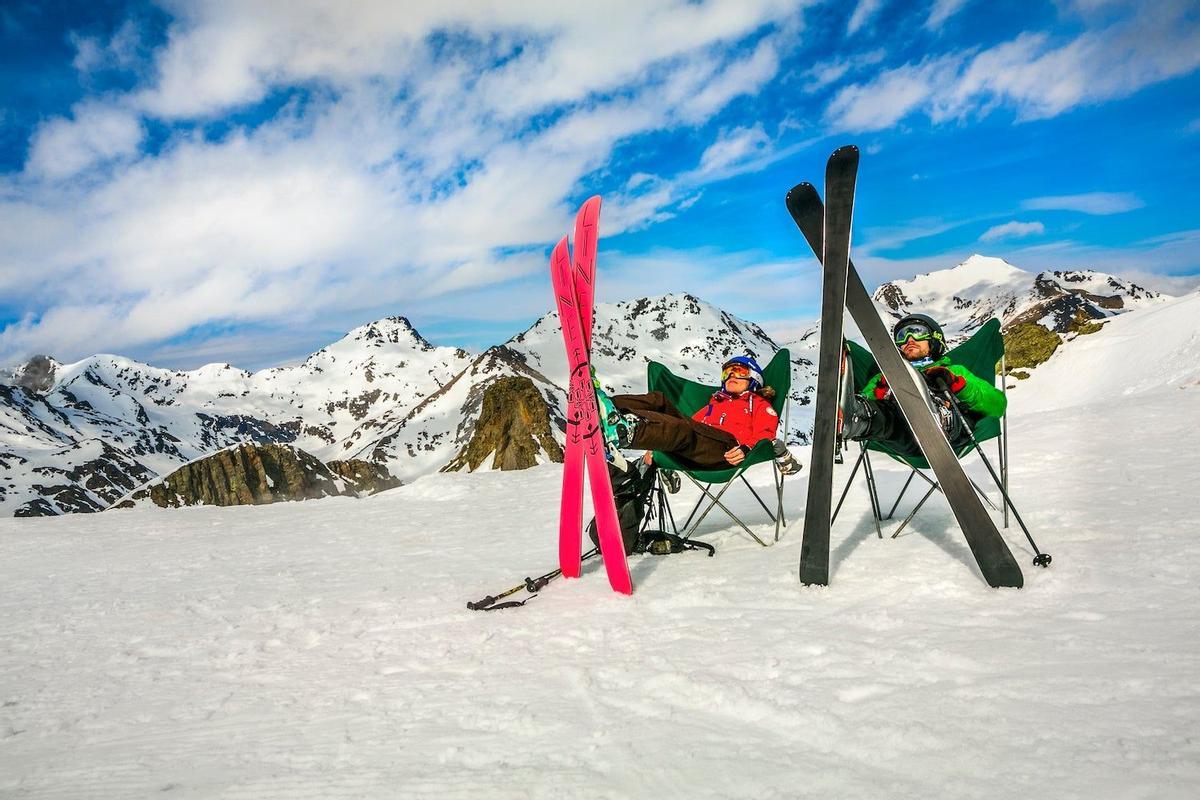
323 649
1154 348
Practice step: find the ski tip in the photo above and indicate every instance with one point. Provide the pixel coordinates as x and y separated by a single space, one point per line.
799 189
846 151
589 212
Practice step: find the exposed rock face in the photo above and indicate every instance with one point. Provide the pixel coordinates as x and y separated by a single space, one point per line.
82 477
513 429
36 375
248 474
1026 345
363 477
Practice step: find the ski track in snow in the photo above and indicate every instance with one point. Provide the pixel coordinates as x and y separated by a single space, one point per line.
323 649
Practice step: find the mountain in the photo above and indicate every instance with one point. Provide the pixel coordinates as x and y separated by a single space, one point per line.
77 437
256 474
684 331
1155 351
105 425
966 296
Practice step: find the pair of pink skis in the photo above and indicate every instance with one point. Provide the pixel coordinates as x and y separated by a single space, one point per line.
574 289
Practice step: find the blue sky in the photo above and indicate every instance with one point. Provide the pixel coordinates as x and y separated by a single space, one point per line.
187 182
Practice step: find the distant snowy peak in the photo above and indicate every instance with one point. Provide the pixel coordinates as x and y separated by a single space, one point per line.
387 333
964 297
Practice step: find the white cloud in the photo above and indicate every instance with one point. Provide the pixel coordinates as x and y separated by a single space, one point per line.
734 147
96 134
1097 203
864 12
941 11
827 73
1012 230
1035 76
891 97
414 170
119 52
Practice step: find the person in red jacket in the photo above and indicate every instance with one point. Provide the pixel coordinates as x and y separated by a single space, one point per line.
719 435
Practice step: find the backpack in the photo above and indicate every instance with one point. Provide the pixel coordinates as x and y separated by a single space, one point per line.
632 489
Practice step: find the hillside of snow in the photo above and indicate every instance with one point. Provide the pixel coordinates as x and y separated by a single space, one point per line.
1156 350
324 649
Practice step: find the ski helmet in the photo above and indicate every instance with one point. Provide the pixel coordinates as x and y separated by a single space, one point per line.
755 377
936 336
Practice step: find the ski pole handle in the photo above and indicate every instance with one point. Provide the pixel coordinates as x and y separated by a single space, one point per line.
482 605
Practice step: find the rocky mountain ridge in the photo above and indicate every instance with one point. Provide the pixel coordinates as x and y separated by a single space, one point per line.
77 437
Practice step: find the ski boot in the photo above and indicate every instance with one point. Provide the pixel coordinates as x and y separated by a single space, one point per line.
787 463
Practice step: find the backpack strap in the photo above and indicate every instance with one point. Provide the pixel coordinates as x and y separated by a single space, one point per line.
661 543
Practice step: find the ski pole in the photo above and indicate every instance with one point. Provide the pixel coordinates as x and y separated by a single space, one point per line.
531 585
1042 559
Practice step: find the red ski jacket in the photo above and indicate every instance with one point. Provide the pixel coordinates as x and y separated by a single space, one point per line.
748 416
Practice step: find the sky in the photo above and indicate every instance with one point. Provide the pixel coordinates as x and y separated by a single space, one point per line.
221 181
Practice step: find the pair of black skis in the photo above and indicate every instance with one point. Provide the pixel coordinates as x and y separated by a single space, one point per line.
827 229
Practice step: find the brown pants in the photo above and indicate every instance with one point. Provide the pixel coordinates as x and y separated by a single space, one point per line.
693 444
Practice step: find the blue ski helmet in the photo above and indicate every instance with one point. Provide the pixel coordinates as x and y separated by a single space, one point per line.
755 376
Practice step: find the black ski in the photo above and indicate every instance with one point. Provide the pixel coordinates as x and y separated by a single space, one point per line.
995 560
841 172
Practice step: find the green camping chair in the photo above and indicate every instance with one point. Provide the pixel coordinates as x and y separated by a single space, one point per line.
689 396
980 354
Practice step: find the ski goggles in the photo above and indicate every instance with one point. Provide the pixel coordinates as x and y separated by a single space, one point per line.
735 371
913 331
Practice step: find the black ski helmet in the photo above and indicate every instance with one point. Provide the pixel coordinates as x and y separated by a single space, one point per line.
937 342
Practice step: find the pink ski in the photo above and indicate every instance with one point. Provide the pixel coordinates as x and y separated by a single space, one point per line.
585 439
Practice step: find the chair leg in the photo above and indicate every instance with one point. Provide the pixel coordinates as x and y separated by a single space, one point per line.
716 503
756 497
846 488
912 474
913 513
780 521
872 491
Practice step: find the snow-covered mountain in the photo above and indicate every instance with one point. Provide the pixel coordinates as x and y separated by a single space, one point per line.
692 336
104 425
968 295
76 437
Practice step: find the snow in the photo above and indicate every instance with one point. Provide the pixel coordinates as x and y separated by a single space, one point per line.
323 648
1154 349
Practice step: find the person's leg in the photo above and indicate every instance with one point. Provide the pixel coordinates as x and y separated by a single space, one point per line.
698 444
881 421
650 401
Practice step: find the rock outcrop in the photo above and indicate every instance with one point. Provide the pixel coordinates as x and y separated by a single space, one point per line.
255 474
513 429
363 477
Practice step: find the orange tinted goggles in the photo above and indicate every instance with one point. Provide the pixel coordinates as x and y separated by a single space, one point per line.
735 371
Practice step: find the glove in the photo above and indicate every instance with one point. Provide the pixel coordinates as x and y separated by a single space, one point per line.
941 376
882 390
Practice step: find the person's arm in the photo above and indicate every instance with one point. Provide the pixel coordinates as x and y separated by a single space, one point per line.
979 395
765 421
876 388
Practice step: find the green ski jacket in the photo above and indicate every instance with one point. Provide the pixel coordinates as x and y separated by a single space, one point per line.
977 396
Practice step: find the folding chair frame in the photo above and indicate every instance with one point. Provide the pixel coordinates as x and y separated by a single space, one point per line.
778 518
864 459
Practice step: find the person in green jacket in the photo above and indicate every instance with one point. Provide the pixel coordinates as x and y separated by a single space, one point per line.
875 415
